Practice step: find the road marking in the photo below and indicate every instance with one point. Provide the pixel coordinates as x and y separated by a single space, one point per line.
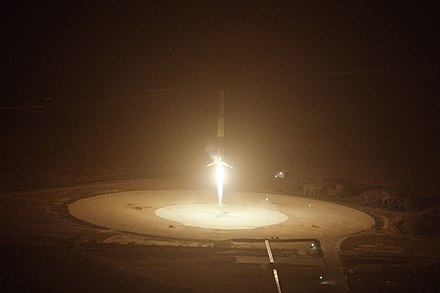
269 251
275 273
277 281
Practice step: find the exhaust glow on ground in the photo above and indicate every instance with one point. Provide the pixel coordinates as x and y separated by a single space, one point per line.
220 178
226 217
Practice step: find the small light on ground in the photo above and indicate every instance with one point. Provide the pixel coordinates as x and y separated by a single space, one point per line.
280 174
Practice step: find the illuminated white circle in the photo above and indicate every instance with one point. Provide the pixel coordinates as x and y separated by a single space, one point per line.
225 217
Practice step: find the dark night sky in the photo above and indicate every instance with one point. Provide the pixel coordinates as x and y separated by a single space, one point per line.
95 49
326 82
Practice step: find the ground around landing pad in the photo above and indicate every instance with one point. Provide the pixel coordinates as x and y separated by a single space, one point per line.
46 250
193 214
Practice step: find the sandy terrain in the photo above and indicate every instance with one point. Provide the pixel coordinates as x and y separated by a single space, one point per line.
38 233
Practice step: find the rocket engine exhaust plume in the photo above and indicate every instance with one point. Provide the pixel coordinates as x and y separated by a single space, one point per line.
220 176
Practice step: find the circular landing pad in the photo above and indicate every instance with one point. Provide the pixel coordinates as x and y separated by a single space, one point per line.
193 214
225 217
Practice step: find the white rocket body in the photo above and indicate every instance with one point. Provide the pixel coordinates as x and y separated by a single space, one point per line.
218 159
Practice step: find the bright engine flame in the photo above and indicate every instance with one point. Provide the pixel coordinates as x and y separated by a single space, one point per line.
220 178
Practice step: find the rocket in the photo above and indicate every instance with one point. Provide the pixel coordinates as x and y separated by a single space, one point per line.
221 116
220 132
